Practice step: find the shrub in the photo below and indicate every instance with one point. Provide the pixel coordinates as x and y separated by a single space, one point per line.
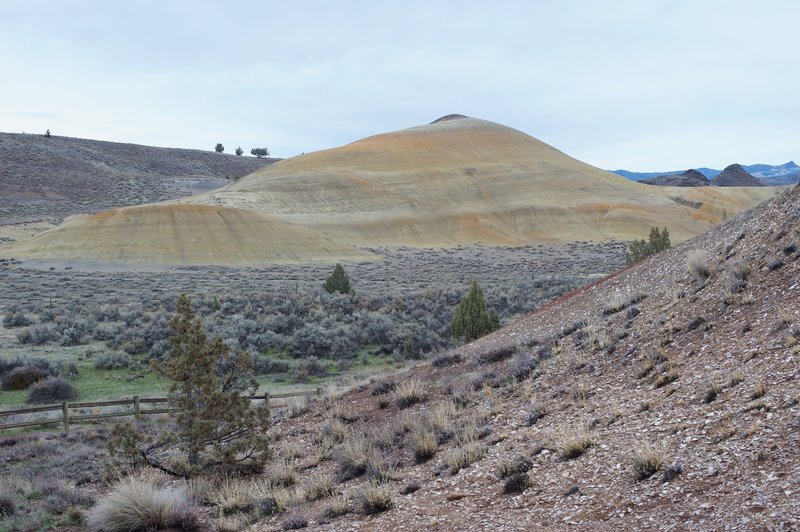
219 148
640 249
139 506
517 483
447 359
114 360
52 390
338 281
515 467
15 319
647 462
376 498
672 471
537 412
21 377
471 320
295 522
497 353
8 503
38 334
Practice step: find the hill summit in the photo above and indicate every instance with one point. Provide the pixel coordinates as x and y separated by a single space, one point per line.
455 181
736 176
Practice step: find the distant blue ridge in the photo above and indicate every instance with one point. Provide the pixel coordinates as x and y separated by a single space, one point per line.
781 174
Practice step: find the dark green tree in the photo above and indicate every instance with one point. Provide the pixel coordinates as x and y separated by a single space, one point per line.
338 281
239 150
219 148
47 134
260 152
471 319
215 426
639 249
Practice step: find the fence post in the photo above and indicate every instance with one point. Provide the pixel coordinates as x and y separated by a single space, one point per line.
319 391
65 411
137 413
266 399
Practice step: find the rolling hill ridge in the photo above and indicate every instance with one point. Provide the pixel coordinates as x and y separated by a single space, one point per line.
455 181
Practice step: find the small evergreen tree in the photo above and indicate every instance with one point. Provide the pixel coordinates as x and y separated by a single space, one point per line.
219 148
338 281
214 425
239 150
47 134
639 249
471 319
260 152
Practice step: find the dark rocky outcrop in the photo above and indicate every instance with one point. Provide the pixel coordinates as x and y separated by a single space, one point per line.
689 178
736 176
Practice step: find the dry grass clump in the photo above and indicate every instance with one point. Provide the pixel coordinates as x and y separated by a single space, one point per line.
424 444
360 455
573 444
697 264
409 393
233 495
136 505
320 487
759 391
712 391
298 406
338 507
281 474
468 452
647 461
376 498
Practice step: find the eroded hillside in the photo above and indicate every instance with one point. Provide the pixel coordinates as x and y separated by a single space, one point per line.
52 178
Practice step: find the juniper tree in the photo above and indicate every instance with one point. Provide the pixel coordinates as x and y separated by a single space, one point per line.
239 150
471 319
219 148
215 425
338 281
639 249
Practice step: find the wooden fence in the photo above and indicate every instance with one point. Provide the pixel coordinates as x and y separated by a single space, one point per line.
135 406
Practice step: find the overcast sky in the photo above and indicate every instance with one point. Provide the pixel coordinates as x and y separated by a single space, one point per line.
641 85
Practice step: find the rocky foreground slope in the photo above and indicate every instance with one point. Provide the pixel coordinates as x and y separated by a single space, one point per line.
664 397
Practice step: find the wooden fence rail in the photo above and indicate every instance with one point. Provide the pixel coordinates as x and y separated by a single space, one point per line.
135 409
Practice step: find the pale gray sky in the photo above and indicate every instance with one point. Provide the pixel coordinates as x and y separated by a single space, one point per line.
641 85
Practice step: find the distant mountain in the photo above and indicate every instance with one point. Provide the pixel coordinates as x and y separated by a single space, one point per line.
783 174
736 176
689 178
710 173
